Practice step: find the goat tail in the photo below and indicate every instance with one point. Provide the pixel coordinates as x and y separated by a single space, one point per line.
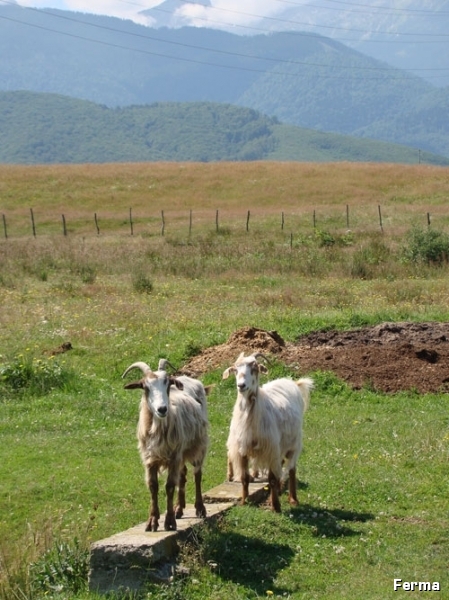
305 385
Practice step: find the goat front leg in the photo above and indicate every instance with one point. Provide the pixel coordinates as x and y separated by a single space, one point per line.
181 493
200 509
172 480
275 486
292 498
244 477
153 485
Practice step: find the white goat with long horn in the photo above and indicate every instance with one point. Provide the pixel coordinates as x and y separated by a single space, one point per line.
172 430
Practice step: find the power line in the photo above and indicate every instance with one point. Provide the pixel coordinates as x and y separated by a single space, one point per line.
371 10
227 25
228 10
185 59
308 33
262 17
208 49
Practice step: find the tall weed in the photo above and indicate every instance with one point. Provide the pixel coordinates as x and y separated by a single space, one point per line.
62 569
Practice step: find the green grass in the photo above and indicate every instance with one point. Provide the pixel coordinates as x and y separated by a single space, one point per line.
373 495
373 484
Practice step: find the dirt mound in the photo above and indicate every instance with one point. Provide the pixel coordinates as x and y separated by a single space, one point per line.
389 357
247 340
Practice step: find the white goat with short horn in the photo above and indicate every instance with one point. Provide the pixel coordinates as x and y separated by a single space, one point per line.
172 430
266 426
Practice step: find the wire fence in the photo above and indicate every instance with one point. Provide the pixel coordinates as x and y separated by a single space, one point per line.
129 223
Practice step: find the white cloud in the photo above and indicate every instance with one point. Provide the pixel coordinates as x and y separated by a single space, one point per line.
228 13
112 8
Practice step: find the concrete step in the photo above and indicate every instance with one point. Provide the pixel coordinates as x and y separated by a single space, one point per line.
127 560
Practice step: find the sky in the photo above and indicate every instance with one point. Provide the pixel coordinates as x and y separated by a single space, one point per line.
237 12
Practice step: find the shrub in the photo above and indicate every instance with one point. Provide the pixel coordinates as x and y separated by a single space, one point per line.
324 238
360 268
87 273
38 376
142 283
429 246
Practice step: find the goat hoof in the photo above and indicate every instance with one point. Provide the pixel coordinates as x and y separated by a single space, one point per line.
151 525
179 512
201 511
170 524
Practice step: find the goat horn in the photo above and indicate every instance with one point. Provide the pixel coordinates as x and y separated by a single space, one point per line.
163 363
260 355
137 365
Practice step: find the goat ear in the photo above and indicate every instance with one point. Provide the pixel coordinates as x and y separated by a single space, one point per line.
134 385
209 388
177 383
228 372
263 369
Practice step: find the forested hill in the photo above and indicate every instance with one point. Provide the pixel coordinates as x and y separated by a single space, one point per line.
300 78
49 128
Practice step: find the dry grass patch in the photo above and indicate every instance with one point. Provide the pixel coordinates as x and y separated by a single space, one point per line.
264 188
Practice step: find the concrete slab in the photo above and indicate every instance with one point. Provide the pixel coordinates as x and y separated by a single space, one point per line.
127 560
231 491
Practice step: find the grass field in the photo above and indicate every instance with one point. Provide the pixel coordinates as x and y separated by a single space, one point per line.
373 483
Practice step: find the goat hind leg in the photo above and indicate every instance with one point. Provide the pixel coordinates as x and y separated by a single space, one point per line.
244 477
230 473
181 493
292 497
275 484
200 509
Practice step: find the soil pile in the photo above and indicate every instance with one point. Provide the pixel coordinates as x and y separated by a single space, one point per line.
389 357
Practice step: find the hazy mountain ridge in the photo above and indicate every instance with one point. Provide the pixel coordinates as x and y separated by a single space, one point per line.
408 34
301 79
47 128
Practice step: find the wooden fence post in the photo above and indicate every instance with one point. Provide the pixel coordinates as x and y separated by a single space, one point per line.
347 216
64 227
163 223
96 224
131 220
314 220
282 221
380 218
190 223
247 221
428 219
32 222
216 221
4 227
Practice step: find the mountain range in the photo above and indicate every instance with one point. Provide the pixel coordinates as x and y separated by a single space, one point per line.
407 34
41 128
299 78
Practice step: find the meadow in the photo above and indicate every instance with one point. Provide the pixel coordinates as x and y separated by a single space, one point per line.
326 246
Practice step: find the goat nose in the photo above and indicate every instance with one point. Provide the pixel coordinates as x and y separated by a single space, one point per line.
241 386
162 411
